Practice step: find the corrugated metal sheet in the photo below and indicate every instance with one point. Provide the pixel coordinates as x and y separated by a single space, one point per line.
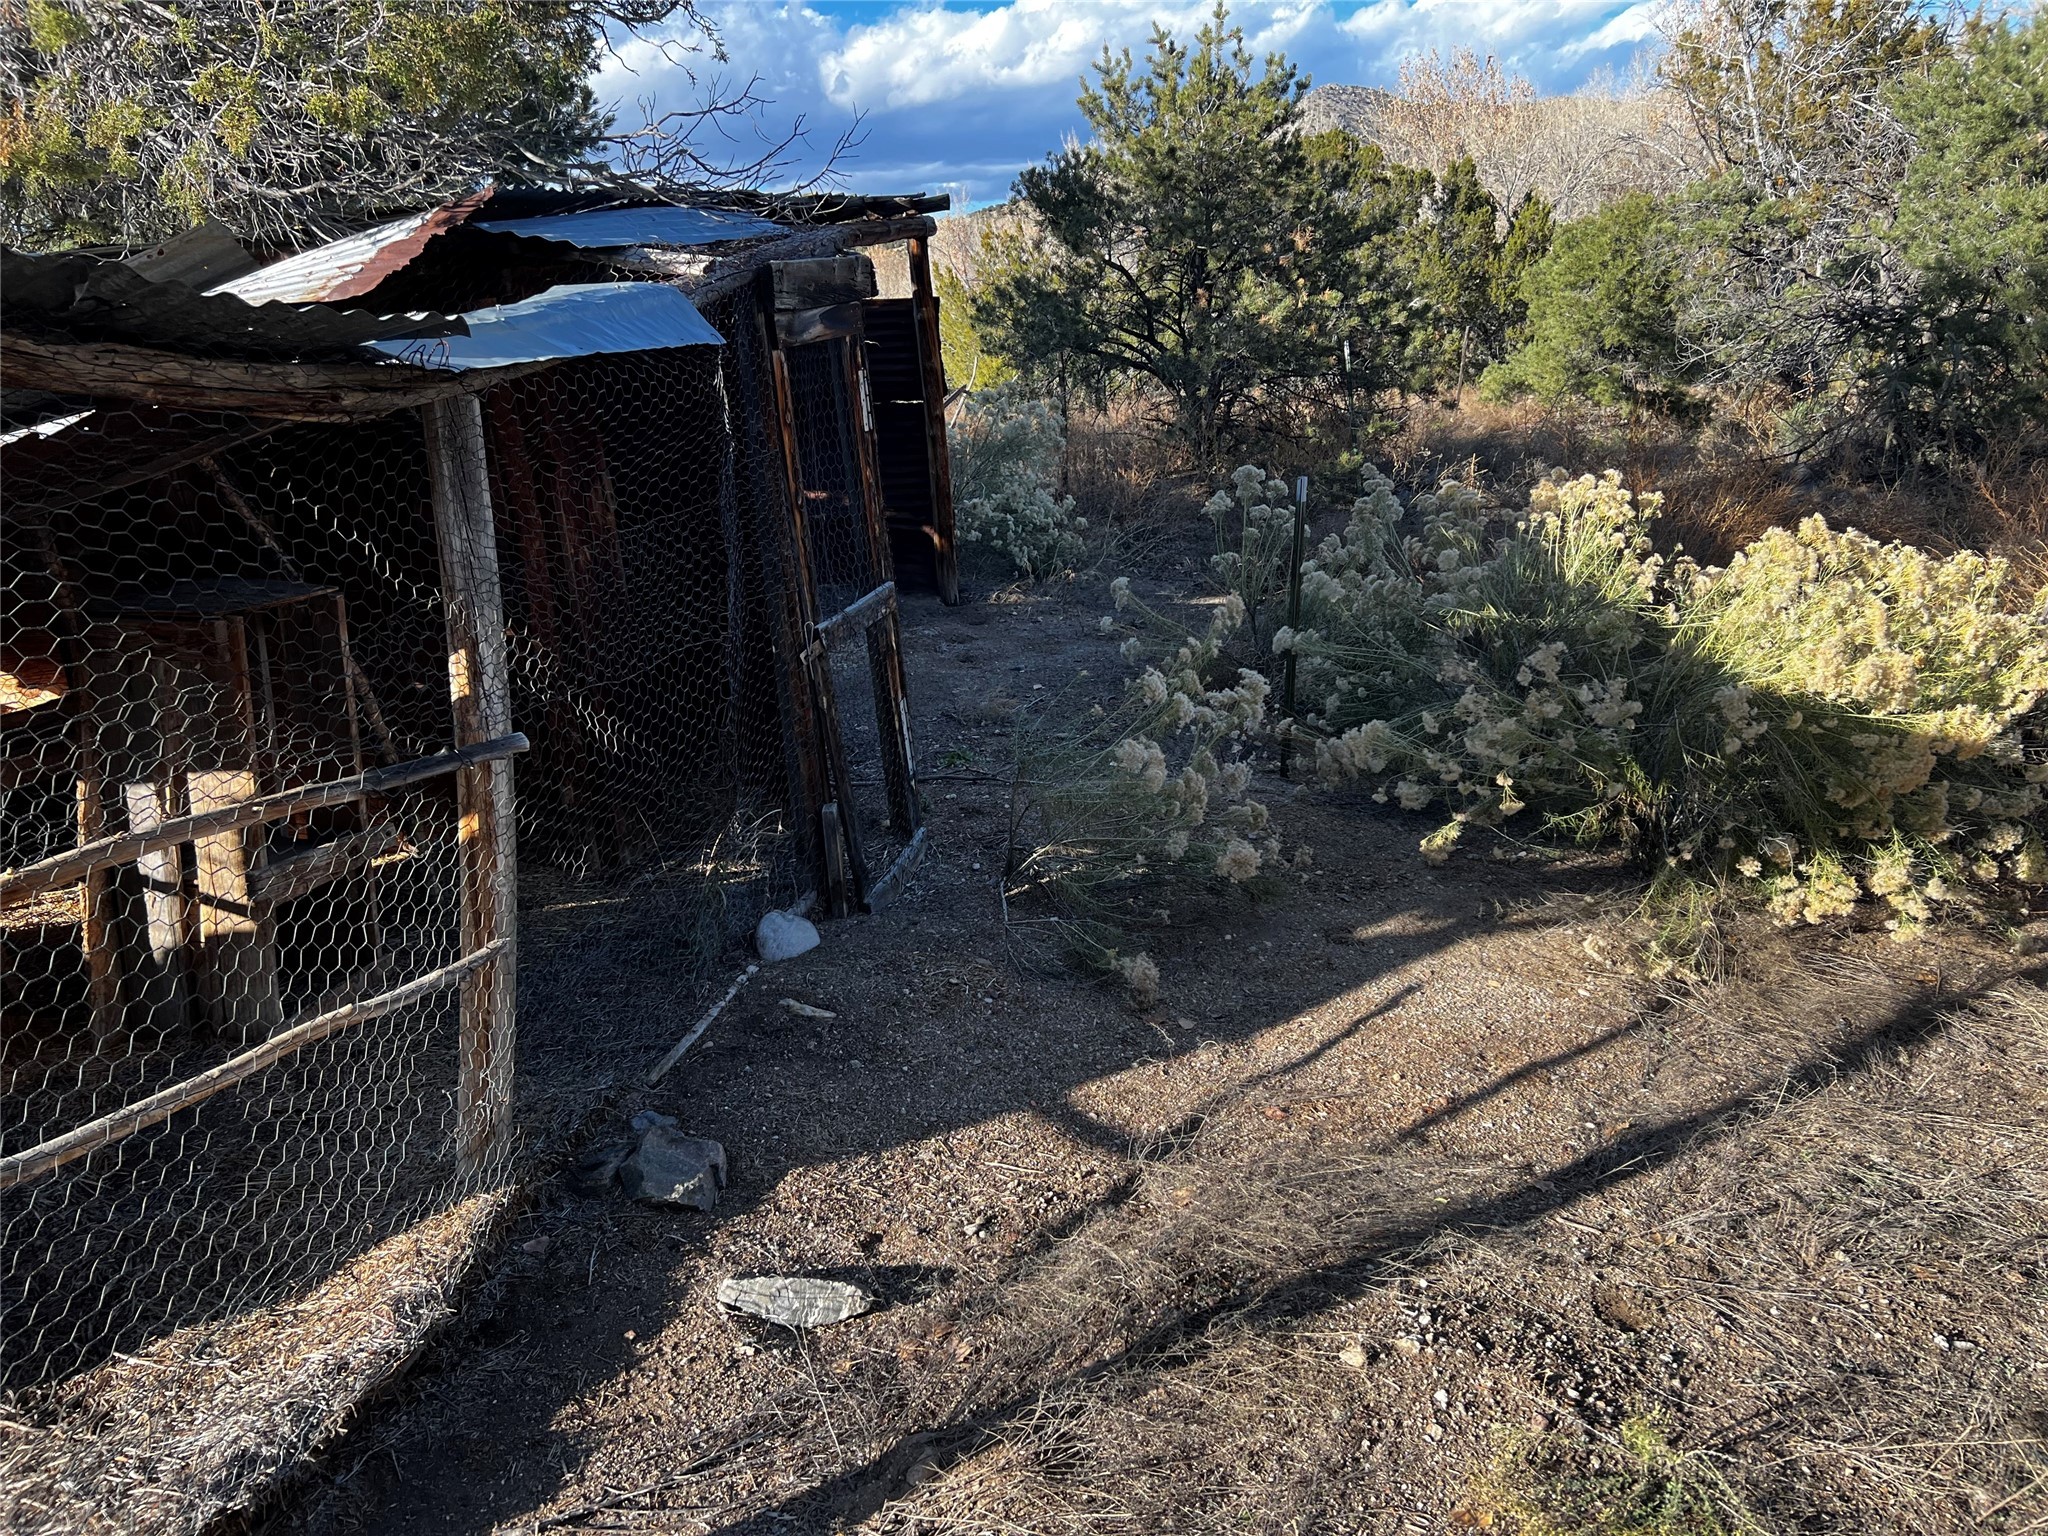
600 228
204 256
574 320
81 298
349 268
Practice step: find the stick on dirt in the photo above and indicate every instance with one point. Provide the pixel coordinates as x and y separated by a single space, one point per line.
676 1051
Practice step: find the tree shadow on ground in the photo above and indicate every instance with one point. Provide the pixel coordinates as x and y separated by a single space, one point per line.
1181 1336
785 1094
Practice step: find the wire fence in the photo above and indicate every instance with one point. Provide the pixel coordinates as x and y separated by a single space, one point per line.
256 740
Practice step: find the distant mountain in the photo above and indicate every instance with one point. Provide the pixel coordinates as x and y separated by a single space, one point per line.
957 245
1353 109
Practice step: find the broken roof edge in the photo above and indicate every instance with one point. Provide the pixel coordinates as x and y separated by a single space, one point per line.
723 274
353 266
70 297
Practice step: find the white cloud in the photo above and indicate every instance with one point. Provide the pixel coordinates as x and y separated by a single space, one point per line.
972 95
1634 27
1538 38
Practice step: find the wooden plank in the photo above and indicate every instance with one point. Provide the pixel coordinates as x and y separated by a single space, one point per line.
480 697
300 874
20 1167
931 360
801 327
96 936
857 615
238 960
124 848
818 770
161 960
862 411
833 846
890 885
892 722
710 279
819 281
854 876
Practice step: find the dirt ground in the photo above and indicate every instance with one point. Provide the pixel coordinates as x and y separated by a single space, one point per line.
1408 1196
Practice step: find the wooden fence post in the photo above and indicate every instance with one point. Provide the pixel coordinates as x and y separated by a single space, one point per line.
479 690
924 300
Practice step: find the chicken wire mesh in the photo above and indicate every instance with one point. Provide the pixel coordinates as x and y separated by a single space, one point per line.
262 634
250 639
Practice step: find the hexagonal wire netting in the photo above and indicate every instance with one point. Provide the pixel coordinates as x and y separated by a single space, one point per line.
263 633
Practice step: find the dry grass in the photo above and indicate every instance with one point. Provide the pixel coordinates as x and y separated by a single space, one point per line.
1122 473
1822 1276
204 1421
1722 488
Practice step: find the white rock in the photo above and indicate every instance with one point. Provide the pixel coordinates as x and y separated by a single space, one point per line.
784 936
795 1301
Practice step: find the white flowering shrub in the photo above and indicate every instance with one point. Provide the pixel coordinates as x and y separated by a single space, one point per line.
1005 449
1826 718
1110 812
1253 565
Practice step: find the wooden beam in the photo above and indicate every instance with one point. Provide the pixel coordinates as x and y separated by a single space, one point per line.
124 848
924 301
819 281
110 370
300 874
857 615
96 901
825 767
799 327
20 1167
238 953
887 888
861 406
480 695
892 710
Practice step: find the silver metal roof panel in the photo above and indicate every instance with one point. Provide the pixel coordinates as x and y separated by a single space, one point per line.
573 320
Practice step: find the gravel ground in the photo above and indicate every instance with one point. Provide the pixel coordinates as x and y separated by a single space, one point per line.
1403 1174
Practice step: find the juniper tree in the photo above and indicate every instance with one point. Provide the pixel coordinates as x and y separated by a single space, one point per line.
124 123
1193 244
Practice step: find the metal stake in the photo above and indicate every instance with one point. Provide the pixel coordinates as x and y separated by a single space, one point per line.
1293 617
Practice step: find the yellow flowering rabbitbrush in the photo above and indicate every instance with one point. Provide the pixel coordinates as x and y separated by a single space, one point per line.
1828 717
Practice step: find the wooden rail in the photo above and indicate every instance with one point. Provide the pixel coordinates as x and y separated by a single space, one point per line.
20 1167
857 615
124 848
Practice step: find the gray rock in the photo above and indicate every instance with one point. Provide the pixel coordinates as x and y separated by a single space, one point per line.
784 935
795 1301
669 1168
598 1168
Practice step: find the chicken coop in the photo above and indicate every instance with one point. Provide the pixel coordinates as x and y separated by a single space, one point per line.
353 601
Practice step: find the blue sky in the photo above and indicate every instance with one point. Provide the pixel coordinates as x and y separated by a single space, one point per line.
959 96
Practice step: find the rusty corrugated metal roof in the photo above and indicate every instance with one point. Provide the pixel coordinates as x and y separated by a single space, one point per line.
351 267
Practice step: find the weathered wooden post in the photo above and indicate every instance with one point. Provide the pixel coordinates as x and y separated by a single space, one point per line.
925 301
479 690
